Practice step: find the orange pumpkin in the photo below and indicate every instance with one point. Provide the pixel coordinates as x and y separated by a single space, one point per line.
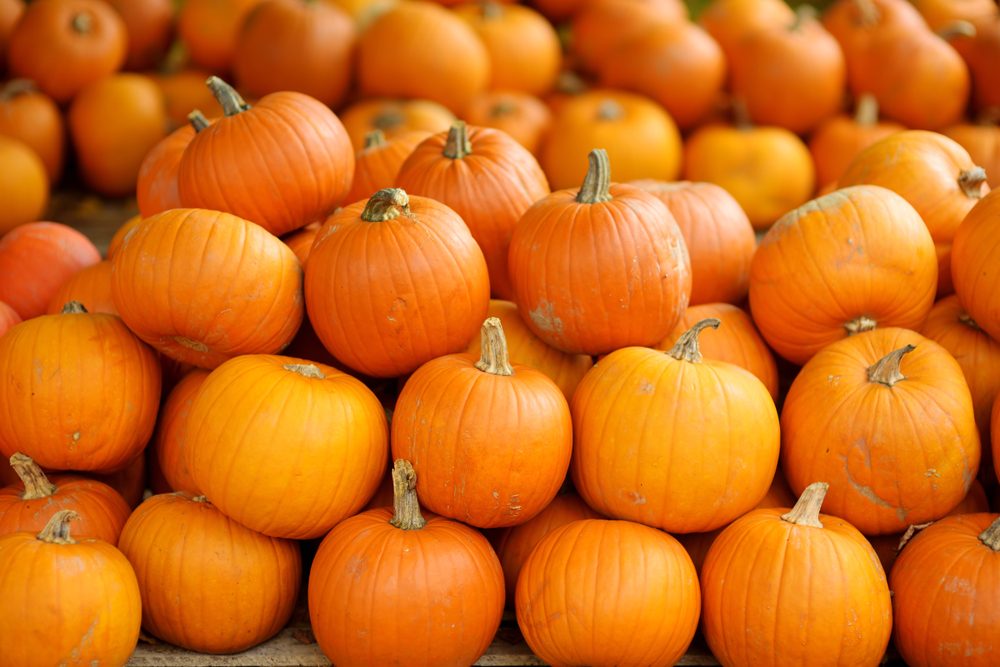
392 118
156 183
377 164
170 439
974 267
600 27
522 116
150 28
90 286
32 117
940 14
183 92
301 241
856 24
980 50
10 12
129 481
363 11
119 236
24 188
982 141
8 318
210 31
729 21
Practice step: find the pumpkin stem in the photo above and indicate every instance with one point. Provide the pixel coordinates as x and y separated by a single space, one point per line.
956 29
374 139
991 536
36 484
911 532
56 531
860 325
230 101
386 204
491 10
504 107
306 370
971 181
200 499
458 145
389 118
197 120
866 113
570 83
16 87
803 14
886 370
610 110
967 320
73 308
493 357
868 13
82 23
686 348
806 510
597 182
406 507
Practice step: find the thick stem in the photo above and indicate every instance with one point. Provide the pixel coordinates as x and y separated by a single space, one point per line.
406 508
16 87
36 484
458 145
306 370
686 347
230 101
374 139
866 113
807 507
82 23
386 204
56 531
73 308
956 29
597 183
493 357
971 181
198 121
886 370
610 110
991 536
860 325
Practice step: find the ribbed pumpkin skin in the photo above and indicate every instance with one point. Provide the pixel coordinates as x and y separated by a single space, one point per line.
386 297
328 442
778 594
440 607
604 593
78 391
92 606
945 585
490 188
203 286
156 187
208 584
91 286
856 252
377 167
974 268
170 439
102 510
893 456
282 164
682 446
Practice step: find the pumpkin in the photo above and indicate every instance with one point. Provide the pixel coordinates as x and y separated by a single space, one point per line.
945 585
8 318
719 238
290 134
856 24
363 12
24 188
762 579
149 25
119 236
838 140
10 12
393 117
302 45
183 91
600 267
378 163
974 268
451 73
219 309
995 436
36 259
600 27
329 442
941 14
32 117
170 440
90 286
65 45
524 117
28 506
156 182
210 30
129 481
255 578
899 439
300 242
982 141
639 136
811 279
442 606
490 441
93 604
729 21
394 281
676 64
487 178
768 170
978 42
654 434
631 592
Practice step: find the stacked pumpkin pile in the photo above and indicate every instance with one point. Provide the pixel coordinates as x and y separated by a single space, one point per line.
299 302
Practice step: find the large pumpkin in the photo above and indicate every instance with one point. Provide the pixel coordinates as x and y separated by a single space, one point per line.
170 441
31 116
974 268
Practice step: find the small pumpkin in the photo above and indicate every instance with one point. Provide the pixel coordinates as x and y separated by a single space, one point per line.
156 183
524 117
600 27
31 116
24 188
729 21
857 23
974 268
210 30
149 25
183 91
170 440
90 286
377 164
393 117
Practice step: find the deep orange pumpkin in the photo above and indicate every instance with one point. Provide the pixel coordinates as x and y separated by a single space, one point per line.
183 92
119 236
129 481
729 21
982 141
8 318
10 12
31 116
393 117
524 117
301 241
974 268
25 186
377 164
150 27
210 30
600 27
91 286
156 183
170 439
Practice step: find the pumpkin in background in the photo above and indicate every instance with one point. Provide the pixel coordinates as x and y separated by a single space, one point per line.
856 23
204 312
729 21
805 586
36 259
170 439
945 585
719 238
522 116
301 241
149 25
28 506
156 183
631 592
978 43
8 318
65 45
377 164
119 236
974 268
90 286
487 178
24 188
176 543
490 441
434 55
441 608
601 267
302 45
32 117
10 12
363 12
894 416
210 30
392 118
849 261
982 141
639 136
601 27
395 281
654 437
129 481
768 170
183 91
995 436
329 442
942 14
558 11
91 591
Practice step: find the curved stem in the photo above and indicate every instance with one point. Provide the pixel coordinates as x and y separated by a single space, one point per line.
956 29
457 146
860 325
910 533
807 507
230 101
493 357
73 308
374 139
198 120
16 87
597 183
866 113
886 370
686 348
971 181
991 536
56 531
306 370
406 508
36 484
386 204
